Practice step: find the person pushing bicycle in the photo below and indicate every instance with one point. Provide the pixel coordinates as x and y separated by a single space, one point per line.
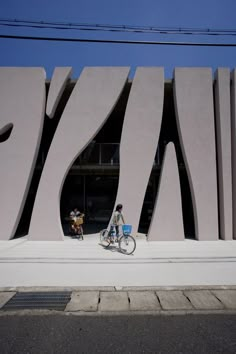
117 220
121 230
76 218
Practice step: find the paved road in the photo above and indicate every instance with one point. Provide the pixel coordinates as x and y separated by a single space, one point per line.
37 334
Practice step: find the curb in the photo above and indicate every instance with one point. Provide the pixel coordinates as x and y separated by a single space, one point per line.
116 288
115 301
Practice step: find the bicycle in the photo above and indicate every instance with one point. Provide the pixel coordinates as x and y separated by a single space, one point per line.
76 226
126 242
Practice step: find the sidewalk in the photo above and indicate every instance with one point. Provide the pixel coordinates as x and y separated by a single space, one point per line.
74 263
160 277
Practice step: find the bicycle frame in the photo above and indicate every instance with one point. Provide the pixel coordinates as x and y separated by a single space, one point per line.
126 242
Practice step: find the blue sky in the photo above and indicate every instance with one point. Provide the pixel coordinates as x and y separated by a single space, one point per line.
213 14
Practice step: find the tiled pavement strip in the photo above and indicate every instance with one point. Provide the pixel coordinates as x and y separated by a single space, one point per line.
131 301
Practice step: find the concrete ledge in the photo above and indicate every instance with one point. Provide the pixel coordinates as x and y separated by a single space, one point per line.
203 300
227 297
83 301
116 288
174 300
114 301
139 302
5 297
143 301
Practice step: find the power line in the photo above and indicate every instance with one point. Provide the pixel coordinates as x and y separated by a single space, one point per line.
116 41
115 28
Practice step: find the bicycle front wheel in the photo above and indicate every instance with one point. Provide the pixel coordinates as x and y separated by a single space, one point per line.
127 244
82 234
104 239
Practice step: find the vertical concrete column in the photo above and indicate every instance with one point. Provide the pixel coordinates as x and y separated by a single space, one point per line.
92 100
167 219
22 102
193 94
224 156
139 140
233 136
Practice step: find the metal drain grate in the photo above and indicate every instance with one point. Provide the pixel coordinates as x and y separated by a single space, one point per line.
38 300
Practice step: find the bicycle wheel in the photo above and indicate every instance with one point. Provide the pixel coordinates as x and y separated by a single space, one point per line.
104 239
127 244
80 233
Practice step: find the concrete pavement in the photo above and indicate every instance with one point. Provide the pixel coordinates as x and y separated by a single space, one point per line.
160 277
75 263
105 301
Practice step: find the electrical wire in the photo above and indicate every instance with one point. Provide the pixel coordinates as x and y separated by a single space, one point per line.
117 41
115 28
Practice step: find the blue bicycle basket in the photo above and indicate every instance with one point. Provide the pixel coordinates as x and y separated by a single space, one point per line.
127 229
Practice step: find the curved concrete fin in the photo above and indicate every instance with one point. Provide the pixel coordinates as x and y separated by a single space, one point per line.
57 86
223 134
139 140
167 218
22 102
90 104
193 94
233 134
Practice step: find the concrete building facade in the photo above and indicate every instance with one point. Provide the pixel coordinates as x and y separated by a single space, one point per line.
165 149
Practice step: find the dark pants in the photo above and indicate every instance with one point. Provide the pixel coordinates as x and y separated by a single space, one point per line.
117 230
111 232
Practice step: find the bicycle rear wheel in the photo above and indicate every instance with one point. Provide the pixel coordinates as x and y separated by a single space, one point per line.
104 239
127 244
81 235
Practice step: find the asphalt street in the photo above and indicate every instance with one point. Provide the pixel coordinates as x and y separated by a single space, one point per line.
67 333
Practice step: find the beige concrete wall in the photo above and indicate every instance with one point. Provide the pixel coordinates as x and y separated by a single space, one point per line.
139 140
193 93
22 103
233 136
57 86
167 219
92 100
224 156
